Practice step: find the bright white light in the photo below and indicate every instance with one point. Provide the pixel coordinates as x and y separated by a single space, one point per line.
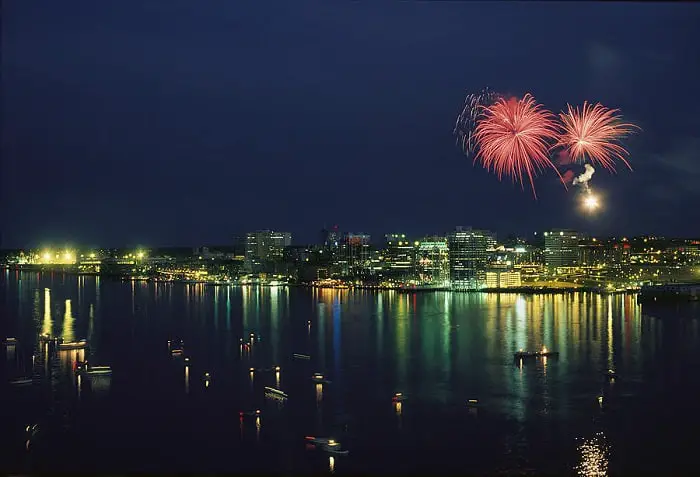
591 202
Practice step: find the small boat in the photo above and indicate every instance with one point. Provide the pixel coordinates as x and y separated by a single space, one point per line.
22 382
318 440
84 368
176 352
611 375
301 356
275 393
319 378
535 354
82 344
255 413
32 430
10 341
398 397
335 450
95 371
473 403
327 444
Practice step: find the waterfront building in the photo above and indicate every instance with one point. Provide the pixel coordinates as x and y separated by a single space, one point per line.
503 279
263 247
399 257
561 248
355 254
468 249
433 262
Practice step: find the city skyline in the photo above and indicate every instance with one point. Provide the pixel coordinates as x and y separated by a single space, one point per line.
227 118
314 239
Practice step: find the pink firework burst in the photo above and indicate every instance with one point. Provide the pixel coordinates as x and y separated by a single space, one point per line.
592 133
514 138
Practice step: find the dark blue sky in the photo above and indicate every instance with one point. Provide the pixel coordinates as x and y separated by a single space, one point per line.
185 122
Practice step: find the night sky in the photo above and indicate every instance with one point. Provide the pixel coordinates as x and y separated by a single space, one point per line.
186 122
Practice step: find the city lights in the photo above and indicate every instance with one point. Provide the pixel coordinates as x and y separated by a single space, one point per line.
465 259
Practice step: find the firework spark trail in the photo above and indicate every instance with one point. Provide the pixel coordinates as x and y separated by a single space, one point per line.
513 138
467 120
592 133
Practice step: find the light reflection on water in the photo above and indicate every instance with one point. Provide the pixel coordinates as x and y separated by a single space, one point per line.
439 348
68 320
594 454
47 325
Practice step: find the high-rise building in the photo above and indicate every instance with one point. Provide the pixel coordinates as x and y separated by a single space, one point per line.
468 256
399 257
561 248
433 262
330 238
265 246
355 253
239 242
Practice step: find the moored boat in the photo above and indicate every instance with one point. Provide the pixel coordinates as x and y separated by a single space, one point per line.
535 354
319 378
70 345
275 393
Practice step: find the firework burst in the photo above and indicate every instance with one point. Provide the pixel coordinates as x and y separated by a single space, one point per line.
592 133
468 118
513 138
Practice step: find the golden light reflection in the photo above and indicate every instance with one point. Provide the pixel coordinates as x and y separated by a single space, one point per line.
398 408
258 425
319 393
187 379
47 325
69 359
593 457
68 323
277 378
331 464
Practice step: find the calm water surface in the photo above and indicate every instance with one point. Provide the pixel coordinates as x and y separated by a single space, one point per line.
439 349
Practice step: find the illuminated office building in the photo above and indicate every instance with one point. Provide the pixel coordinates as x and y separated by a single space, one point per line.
265 246
469 256
433 262
399 257
355 253
561 248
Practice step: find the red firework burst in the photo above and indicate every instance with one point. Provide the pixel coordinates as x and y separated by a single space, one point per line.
513 139
592 133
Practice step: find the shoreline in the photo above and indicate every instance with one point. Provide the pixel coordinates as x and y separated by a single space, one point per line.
523 290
